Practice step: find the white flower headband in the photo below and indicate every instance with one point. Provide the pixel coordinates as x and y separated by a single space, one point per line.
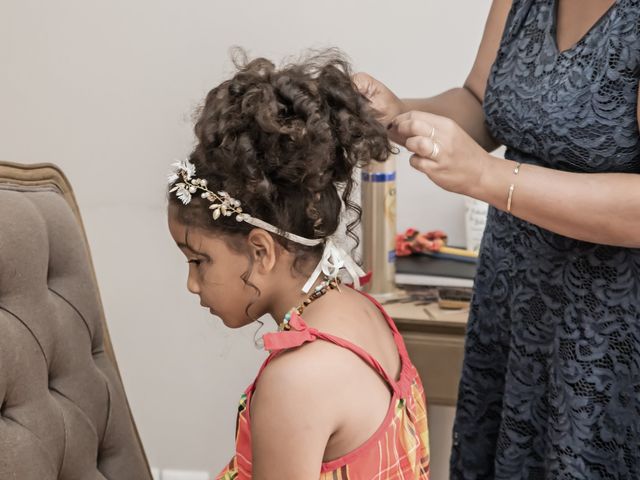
222 204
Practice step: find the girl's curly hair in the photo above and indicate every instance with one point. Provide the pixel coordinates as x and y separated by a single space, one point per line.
285 142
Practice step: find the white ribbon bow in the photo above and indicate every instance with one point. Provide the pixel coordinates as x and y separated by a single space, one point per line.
333 260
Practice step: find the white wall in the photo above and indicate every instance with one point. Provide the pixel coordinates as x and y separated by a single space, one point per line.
106 91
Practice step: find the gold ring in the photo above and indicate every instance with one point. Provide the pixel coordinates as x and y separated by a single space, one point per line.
435 150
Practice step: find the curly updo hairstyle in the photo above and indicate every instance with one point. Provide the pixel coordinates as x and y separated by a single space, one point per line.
285 142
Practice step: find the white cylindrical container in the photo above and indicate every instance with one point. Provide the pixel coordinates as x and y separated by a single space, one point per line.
378 190
475 221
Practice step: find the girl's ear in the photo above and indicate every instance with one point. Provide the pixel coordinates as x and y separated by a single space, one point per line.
263 250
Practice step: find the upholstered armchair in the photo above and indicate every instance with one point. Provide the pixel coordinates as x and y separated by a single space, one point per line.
63 410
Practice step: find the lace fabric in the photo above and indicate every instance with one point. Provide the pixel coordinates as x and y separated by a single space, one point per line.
550 386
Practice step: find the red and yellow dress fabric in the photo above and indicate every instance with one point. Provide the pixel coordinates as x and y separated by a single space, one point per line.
399 449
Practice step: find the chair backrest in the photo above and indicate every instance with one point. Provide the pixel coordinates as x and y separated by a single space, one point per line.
63 411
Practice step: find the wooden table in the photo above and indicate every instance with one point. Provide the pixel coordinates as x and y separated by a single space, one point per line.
435 341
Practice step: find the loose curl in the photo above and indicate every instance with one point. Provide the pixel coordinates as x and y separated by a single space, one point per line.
285 142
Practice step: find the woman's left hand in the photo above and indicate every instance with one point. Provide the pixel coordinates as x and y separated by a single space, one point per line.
442 150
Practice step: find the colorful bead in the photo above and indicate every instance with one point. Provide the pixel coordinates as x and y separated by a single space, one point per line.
319 291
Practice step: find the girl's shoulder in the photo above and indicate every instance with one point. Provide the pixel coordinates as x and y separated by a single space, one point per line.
294 406
307 369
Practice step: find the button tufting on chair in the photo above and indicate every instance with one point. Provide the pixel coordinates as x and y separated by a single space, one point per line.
63 410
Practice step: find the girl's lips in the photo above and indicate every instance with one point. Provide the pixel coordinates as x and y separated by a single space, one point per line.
211 310
207 307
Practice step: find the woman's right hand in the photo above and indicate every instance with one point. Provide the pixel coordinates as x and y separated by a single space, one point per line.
382 99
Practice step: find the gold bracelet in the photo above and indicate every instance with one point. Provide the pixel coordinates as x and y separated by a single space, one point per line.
517 169
512 187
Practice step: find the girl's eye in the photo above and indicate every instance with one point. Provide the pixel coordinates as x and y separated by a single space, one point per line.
195 262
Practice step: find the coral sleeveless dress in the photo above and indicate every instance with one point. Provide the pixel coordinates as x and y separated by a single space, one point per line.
399 449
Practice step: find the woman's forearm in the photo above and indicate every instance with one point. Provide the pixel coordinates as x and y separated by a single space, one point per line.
599 208
460 105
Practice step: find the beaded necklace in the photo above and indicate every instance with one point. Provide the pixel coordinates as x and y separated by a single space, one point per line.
326 285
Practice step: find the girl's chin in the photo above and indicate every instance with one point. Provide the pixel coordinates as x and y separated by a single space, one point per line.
230 322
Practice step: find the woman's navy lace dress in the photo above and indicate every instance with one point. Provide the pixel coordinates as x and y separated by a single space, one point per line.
550 386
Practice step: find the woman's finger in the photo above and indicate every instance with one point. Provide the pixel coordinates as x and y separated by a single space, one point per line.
423 146
422 164
425 117
363 84
413 127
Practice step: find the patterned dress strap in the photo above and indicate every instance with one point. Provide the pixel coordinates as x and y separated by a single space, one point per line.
363 354
300 333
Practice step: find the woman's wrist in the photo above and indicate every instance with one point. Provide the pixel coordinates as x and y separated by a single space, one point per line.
477 187
413 104
404 106
494 185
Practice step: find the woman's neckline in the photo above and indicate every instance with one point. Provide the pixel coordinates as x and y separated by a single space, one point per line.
554 27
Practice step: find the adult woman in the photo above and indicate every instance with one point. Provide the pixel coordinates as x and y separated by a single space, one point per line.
551 381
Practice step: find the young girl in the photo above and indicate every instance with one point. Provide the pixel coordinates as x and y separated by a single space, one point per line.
254 210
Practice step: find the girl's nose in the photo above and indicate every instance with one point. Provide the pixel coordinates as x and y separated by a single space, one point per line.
192 285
